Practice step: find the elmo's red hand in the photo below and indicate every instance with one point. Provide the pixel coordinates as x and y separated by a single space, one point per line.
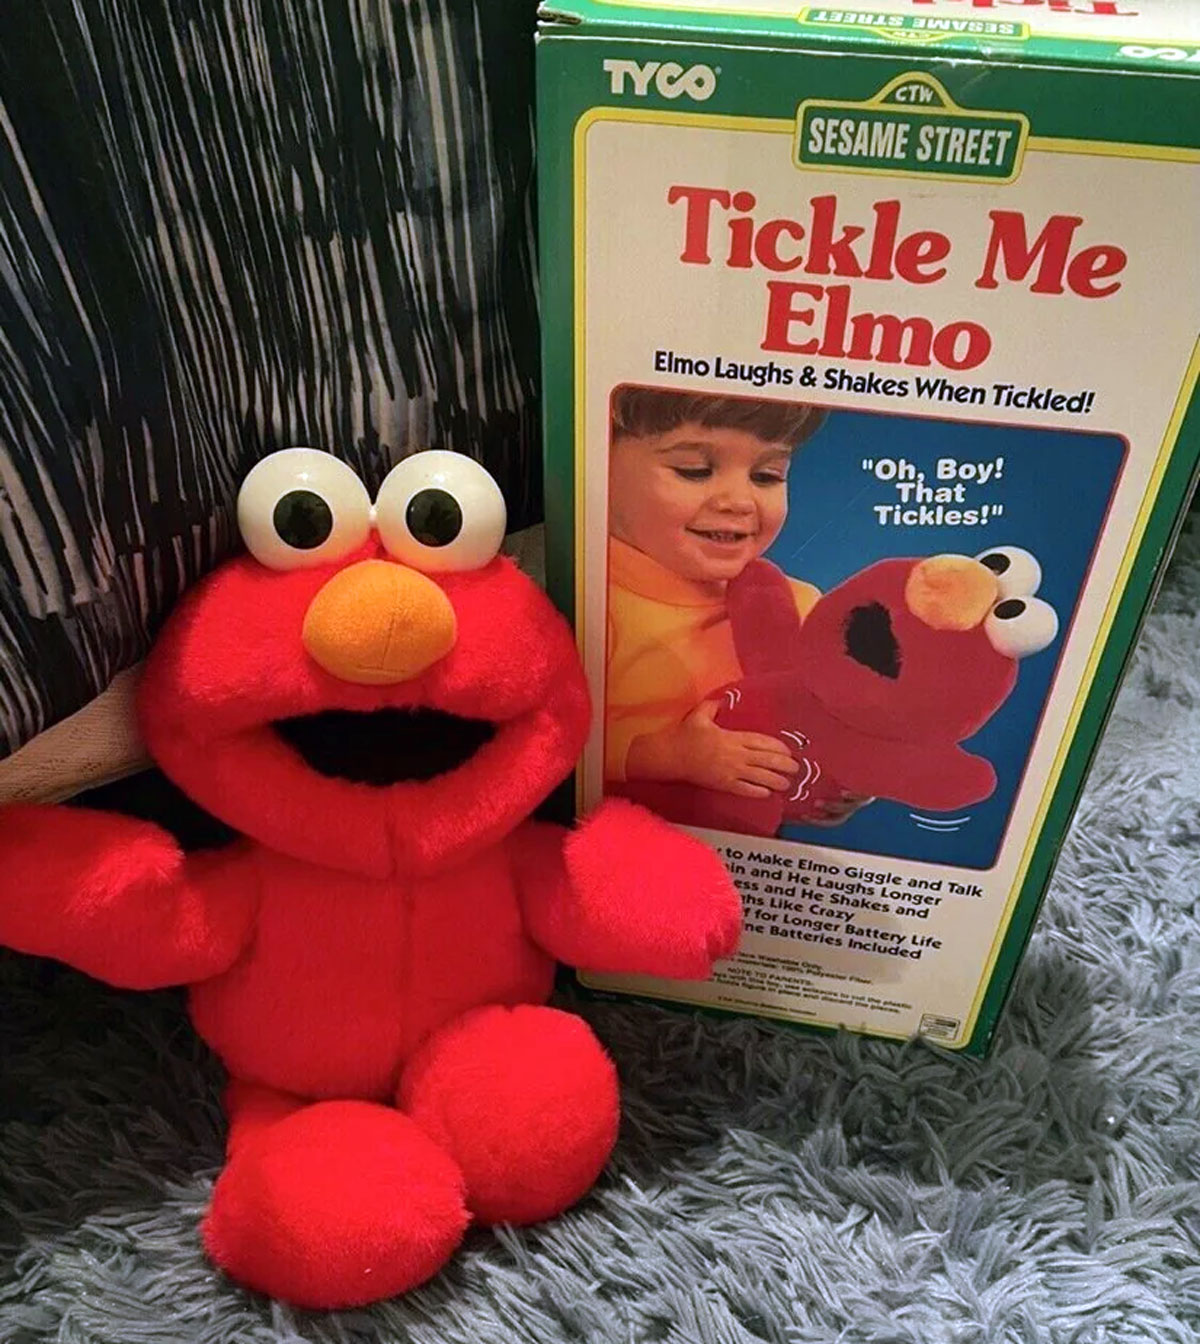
626 893
116 898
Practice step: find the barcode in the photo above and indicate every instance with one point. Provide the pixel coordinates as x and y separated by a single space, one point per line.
940 1028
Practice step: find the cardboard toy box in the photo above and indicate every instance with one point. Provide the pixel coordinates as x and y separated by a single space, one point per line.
870 360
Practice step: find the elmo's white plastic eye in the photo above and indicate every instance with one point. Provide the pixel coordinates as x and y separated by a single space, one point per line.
1017 573
1019 626
440 511
301 507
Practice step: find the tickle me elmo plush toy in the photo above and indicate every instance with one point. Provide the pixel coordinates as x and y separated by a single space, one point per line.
376 700
891 670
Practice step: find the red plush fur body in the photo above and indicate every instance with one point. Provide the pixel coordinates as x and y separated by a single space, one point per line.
368 960
290 1015
856 732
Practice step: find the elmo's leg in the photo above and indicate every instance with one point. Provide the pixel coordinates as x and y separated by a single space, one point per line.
332 1203
525 1100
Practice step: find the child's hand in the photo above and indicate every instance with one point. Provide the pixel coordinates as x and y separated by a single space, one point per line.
698 751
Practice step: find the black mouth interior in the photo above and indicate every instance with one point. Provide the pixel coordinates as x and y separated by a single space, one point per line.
870 641
385 746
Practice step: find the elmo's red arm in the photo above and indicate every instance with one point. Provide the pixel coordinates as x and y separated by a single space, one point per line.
626 893
936 776
117 898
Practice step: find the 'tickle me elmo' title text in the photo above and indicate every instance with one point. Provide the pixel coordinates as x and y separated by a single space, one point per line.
819 317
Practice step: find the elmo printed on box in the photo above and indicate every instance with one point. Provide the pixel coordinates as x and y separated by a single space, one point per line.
870 367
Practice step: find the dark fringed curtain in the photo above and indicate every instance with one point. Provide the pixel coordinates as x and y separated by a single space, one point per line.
227 228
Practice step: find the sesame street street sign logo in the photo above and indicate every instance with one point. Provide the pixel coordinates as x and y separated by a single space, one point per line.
912 127
914 29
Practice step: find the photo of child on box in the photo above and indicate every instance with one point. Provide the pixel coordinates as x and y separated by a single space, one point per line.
779 661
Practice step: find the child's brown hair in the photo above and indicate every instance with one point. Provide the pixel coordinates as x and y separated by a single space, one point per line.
642 411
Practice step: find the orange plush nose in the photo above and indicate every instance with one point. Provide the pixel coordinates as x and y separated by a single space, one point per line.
378 622
951 592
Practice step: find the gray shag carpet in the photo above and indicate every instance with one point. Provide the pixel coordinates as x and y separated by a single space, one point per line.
768 1186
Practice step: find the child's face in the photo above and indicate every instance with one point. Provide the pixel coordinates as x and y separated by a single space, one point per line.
702 502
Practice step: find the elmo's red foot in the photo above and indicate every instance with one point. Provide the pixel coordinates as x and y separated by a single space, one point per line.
526 1101
336 1205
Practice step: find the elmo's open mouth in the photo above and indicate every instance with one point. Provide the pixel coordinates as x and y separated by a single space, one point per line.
385 746
870 641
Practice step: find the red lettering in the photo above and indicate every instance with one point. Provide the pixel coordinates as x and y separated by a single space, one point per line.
977 345
1096 263
827 254
918 251
766 244
700 201
1104 8
741 231
741 243
833 342
1008 243
883 244
782 313
882 336
873 336
1010 250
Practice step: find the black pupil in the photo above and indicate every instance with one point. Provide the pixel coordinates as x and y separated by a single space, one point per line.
997 563
303 519
1010 608
434 517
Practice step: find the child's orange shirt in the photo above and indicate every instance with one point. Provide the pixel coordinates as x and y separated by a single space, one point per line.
670 647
